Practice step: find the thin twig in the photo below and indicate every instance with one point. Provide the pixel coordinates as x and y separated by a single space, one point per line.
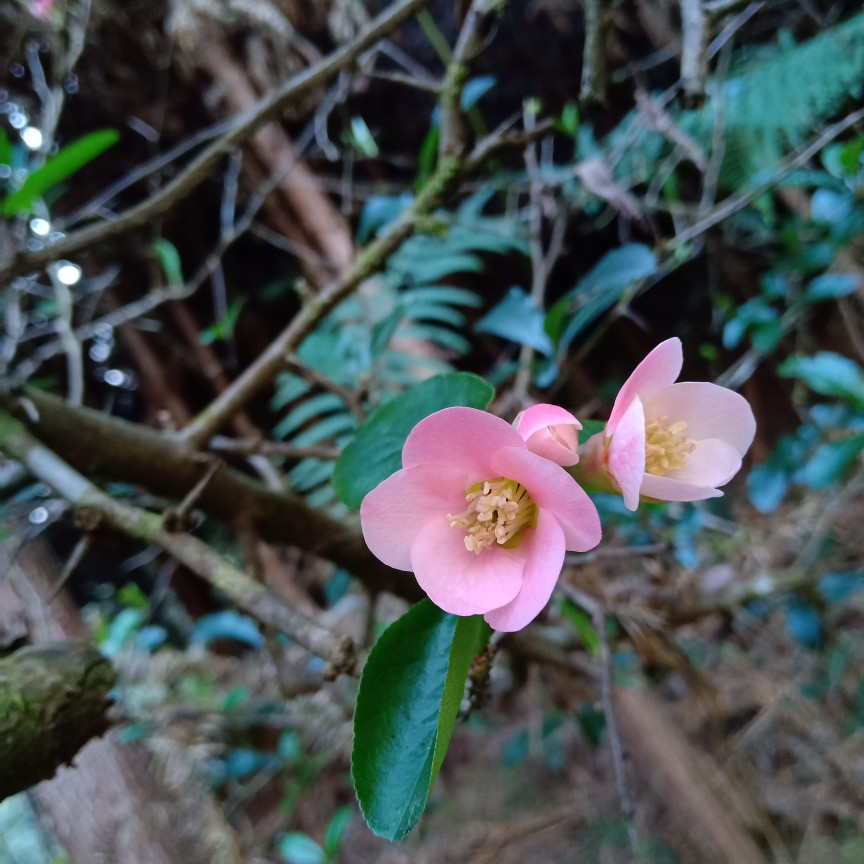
738 202
598 617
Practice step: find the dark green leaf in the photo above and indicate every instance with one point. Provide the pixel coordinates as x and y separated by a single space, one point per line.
69 160
469 640
376 451
5 148
397 716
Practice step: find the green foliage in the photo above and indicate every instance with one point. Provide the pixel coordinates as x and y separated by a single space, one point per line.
605 284
407 705
765 117
413 329
376 451
70 159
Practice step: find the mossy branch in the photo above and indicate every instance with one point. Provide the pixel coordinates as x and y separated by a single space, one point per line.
53 700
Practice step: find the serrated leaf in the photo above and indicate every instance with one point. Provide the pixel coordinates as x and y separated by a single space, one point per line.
70 159
401 714
376 451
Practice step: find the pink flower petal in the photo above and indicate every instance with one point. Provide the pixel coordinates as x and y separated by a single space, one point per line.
712 463
462 437
538 416
626 456
669 489
545 549
709 410
463 582
550 432
658 370
553 489
393 513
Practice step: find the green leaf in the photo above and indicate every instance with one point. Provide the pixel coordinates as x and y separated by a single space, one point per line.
829 374
517 319
590 428
406 707
829 462
830 285
5 148
56 169
362 138
298 848
336 828
376 451
470 639
169 260
603 286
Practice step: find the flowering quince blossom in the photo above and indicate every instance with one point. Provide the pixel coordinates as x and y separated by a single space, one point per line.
481 520
551 432
669 441
41 9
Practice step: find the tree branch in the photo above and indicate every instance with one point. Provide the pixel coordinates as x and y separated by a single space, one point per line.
247 594
53 700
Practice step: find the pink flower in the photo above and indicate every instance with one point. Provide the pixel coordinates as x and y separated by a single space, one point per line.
668 441
41 9
550 432
481 520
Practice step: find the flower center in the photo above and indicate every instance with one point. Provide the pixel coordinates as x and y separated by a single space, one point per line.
666 446
498 511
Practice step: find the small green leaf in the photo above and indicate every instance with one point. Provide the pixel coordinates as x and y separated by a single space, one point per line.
362 138
169 260
56 169
298 848
5 148
336 828
376 451
406 707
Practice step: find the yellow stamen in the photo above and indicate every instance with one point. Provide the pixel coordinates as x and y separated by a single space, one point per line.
498 511
666 446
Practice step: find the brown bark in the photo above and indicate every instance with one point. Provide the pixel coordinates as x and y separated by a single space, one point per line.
681 781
